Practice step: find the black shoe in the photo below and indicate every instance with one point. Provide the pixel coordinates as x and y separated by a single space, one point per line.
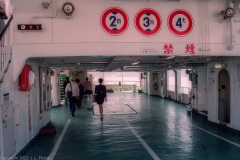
101 117
73 114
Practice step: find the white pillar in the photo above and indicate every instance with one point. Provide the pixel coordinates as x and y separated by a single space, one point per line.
55 85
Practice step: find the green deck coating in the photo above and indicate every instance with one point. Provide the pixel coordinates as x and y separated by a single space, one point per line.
164 125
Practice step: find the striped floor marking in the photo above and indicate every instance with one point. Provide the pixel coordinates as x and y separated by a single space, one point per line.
217 136
145 145
55 148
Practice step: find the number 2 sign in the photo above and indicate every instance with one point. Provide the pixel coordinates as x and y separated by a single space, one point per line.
180 23
114 21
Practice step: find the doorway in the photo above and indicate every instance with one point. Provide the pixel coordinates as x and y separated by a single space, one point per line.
224 96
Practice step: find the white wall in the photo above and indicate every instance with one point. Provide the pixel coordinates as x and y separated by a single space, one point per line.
20 98
202 90
160 80
234 71
171 80
55 91
82 34
153 79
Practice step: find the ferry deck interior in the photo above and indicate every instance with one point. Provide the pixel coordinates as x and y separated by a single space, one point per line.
171 70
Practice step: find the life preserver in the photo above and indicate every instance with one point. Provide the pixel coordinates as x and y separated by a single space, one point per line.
155 86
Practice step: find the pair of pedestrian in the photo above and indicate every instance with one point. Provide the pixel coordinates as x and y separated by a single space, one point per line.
73 92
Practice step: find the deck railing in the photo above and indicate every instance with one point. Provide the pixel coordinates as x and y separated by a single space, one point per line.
5 48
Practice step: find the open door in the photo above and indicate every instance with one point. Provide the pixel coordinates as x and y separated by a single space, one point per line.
224 96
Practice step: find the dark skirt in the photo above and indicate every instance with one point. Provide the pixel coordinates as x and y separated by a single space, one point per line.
100 100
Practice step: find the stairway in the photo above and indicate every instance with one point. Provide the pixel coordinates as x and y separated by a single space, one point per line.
5 50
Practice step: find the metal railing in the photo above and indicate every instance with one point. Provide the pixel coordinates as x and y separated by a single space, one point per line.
5 48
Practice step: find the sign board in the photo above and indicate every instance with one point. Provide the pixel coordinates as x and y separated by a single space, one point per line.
25 27
6 97
114 21
148 22
180 22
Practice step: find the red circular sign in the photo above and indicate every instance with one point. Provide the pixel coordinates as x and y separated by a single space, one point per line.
23 27
114 21
148 22
180 22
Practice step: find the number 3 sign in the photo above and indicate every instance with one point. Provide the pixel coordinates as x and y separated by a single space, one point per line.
148 22
180 23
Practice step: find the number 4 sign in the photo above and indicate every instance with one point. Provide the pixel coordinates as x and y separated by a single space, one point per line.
180 22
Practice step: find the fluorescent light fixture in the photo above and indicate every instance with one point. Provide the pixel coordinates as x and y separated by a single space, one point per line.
135 63
170 57
220 65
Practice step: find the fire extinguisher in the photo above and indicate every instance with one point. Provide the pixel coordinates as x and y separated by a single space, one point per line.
155 86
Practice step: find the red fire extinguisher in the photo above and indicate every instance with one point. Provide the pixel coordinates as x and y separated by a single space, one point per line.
26 78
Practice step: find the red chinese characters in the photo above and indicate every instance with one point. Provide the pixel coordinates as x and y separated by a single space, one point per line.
190 48
168 49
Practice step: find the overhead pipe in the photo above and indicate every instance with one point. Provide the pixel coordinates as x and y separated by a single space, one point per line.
232 30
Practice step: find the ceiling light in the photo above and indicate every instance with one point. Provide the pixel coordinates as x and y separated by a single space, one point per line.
170 57
220 65
135 63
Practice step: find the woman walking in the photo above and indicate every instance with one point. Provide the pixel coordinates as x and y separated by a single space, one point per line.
101 95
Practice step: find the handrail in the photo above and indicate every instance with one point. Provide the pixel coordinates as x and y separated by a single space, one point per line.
5 50
6 27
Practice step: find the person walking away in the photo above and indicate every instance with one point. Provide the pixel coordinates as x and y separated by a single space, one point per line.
101 95
64 87
72 90
88 88
81 92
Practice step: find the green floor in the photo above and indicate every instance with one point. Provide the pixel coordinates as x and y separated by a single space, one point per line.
135 127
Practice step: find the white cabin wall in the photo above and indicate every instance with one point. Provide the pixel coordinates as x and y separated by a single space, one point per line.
153 79
233 68
212 80
144 83
202 101
21 99
235 92
160 88
55 85
178 84
148 83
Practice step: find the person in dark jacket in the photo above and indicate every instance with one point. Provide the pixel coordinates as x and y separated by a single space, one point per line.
100 95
